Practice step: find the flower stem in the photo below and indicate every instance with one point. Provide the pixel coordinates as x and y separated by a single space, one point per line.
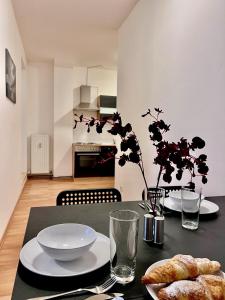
146 185
159 175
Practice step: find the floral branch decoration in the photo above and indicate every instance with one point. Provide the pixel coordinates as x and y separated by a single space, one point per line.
170 156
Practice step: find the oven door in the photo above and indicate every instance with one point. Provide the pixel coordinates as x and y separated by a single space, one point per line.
86 164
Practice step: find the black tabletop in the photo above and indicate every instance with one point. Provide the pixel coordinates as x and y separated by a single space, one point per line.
207 241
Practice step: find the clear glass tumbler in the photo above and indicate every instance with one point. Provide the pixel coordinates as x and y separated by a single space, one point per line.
123 230
191 202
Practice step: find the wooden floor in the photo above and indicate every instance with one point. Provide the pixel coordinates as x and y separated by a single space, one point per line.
37 192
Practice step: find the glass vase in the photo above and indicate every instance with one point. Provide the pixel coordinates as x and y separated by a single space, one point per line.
154 201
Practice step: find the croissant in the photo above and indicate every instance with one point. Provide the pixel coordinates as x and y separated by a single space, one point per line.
206 287
214 285
180 267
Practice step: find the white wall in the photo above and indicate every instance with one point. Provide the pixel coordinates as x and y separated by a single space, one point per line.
23 118
40 104
12 126
104 79
171 55
63 121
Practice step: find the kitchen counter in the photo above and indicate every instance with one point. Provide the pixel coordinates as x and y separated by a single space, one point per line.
94 144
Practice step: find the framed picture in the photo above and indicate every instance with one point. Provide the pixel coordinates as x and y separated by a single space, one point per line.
10 77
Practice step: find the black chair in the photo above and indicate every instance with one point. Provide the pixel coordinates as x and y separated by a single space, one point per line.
74 197
168 189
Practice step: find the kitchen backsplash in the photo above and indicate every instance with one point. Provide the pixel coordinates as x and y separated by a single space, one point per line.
80 134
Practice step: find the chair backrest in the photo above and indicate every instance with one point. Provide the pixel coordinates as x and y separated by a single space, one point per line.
167 190
74 197
171 188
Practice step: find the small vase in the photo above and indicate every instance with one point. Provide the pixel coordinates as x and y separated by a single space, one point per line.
154 201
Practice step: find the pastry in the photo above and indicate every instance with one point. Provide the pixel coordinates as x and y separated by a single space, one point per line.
215 286
180 267
206 287
183 290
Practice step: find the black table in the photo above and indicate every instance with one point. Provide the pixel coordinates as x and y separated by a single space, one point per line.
207 241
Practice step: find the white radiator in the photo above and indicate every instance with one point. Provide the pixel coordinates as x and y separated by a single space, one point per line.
40 154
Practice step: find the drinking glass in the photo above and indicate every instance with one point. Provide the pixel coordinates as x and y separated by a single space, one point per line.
123 230
190 204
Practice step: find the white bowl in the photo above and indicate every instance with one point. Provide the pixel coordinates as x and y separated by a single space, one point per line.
66 241
188 195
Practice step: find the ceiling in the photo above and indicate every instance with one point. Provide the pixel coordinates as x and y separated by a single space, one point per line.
72 32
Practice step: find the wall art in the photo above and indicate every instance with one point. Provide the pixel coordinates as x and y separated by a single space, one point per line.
10 76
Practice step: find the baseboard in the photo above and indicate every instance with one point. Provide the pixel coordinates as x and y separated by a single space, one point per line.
24 181
6 228
40 176
62 177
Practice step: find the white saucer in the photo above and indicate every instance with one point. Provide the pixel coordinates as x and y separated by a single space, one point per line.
207 207
34 259
153 289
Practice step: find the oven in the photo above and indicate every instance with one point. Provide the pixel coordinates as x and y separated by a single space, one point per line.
86 162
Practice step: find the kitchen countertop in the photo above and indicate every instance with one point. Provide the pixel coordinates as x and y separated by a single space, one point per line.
94 144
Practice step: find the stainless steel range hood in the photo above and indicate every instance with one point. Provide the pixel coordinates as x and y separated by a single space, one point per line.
88 98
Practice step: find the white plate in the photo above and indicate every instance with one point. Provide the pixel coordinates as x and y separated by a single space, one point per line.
153 289
34 259
207 207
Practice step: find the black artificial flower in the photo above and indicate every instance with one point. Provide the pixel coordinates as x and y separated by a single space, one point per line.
147 113
92 122
204 179
134 157
75 124
131 142
167 177
179 174
122 131
116 117
128 127
98 128
163 126
153 127
157 136
169 155
114 130
123 159
191 185
124 146
158 110
203 168
197 142
202 157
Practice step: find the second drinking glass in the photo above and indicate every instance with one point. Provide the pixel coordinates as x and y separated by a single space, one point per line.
190 204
